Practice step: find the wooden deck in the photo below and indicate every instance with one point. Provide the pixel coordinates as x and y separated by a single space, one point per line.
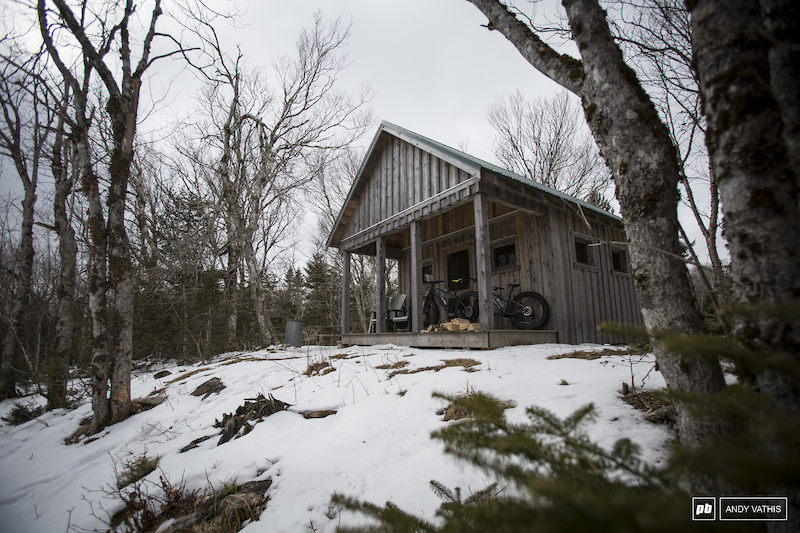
463 339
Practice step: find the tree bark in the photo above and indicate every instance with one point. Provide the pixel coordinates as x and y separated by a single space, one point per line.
758 186
782 24
122 110
638 150
24 276
61 347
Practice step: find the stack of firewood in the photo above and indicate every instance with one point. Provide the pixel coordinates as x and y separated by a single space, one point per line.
457 324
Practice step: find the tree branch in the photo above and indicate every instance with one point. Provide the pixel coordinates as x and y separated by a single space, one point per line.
562 69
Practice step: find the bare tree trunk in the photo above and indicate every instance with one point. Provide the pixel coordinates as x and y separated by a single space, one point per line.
637 147
782 24
24 276
26 120
758 186
97 285
265 327
748 88
232 292
122 110
61 348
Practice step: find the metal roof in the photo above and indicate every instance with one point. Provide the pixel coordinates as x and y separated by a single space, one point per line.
467 162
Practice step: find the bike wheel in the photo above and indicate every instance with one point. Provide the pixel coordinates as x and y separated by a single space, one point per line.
430 312
528 310
468 306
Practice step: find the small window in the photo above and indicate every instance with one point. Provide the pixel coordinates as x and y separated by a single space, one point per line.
427 273
582 252
504 256
584 255
619 262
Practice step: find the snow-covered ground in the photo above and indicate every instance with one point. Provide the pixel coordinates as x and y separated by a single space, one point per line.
377 446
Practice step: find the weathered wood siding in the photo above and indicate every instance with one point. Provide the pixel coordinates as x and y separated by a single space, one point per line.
401 178
581 297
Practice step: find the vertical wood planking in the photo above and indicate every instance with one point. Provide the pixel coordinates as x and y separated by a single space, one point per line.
415 285
426 175
483 260
346 280
380 284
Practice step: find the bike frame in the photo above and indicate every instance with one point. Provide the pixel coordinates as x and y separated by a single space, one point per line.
504 305
437 293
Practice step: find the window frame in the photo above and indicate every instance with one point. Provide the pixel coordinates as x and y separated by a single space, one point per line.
625 261
501 243
591 251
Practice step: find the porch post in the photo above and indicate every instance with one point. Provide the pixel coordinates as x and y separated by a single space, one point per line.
483 260
346 293
380 285
416 277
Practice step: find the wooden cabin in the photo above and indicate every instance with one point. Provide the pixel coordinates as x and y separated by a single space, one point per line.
443 213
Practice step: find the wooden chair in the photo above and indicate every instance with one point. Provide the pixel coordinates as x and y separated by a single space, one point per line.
396 315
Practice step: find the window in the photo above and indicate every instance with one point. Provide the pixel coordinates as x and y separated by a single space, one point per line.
584 254
504 256
427 273
619 261
458 270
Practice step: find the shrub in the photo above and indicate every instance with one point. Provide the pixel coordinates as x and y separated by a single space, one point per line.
21 413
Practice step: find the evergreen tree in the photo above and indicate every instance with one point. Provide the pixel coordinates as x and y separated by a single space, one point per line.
555 478
322 302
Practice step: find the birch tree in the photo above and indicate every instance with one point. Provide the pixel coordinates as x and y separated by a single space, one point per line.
545 140
95 33
269 128
746 54
27 114
737 48
637 148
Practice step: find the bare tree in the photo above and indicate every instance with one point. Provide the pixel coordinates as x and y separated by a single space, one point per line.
27 114
265 141
546 141
639 151
657 35
745 103
109 249
65 176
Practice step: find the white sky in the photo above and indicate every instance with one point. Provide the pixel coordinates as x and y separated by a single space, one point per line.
431 65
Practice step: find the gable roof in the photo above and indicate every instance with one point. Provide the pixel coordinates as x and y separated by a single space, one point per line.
466 162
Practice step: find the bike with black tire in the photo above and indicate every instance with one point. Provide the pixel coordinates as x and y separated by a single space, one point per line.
526 310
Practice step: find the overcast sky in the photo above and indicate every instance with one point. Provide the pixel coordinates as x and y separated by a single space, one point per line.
432 67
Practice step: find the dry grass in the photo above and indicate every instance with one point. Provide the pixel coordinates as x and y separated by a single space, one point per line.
240 360
135 470
319 368
459 407
464 362
590 355
392 366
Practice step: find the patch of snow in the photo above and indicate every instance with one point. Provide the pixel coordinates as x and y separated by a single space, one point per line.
377 447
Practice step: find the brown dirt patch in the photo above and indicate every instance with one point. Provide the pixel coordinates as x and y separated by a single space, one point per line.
187 374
